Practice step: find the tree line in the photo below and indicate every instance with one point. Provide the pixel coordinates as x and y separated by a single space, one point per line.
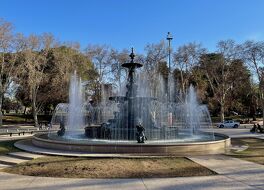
35 70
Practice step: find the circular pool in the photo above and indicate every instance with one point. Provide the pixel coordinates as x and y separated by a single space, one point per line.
196 145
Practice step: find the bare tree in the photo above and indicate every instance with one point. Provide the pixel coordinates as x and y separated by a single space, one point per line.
253 54
117 59
100 55
35 54
229 51
219 73
155 54
10 43
5 43
185 58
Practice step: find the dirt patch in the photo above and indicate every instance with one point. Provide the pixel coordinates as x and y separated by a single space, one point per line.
110 167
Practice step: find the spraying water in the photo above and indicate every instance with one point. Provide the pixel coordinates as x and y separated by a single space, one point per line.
153 101
75 118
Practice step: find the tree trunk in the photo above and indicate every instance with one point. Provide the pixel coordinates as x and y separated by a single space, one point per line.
34 107
1 89
1 113
222 111
24 112
262 107
1 103
182 83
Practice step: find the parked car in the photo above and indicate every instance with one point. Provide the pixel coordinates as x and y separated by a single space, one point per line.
228 123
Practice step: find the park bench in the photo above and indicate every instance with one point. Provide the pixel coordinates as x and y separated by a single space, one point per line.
21 132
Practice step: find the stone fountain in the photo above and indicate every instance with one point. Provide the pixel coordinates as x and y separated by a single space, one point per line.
171 128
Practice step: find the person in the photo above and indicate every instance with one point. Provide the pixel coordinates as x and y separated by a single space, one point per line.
254 129
61 132
260 129
140 133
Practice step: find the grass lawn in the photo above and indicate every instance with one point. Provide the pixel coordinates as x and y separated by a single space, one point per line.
255 151
20 118
16 119
7 146
58 166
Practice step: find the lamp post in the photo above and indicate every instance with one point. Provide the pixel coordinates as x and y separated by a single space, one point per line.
169 38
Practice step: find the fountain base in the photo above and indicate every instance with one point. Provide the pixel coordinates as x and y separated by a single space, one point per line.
163 148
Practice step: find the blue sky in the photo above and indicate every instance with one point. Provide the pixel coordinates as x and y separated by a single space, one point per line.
126 23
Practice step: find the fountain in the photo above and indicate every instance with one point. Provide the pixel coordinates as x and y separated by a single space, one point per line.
171 127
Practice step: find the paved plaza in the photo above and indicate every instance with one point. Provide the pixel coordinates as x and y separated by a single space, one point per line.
220 182
233 173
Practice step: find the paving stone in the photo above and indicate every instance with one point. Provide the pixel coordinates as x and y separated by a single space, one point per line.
4 166
239 148
19 182
240 170
25 155
11 160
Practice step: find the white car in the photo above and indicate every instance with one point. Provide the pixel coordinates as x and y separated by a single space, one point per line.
228 123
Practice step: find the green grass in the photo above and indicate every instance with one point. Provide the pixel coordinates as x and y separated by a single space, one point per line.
110 167
16 119
20 118
7 146
255 151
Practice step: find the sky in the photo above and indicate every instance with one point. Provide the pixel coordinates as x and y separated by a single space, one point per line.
136 23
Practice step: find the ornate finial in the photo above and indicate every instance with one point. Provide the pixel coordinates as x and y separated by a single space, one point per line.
132 55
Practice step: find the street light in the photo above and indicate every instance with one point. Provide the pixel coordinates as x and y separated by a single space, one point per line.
169 38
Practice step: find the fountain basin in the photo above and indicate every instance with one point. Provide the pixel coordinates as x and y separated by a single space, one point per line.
217 146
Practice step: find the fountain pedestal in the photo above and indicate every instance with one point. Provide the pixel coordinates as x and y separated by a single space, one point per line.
131 95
